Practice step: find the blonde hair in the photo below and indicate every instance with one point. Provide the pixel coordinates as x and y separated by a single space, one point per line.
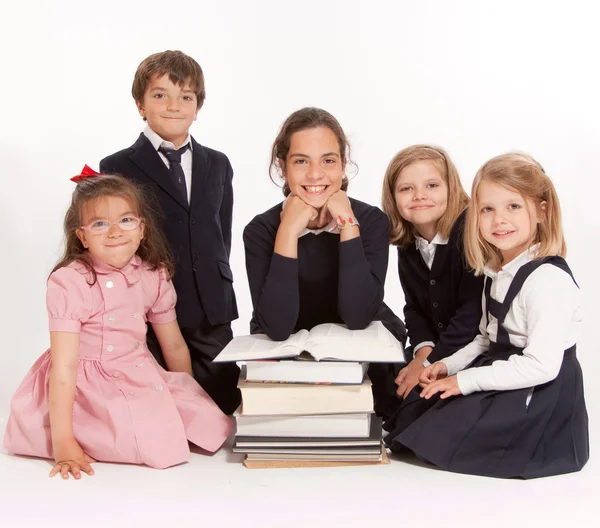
522 174
402 231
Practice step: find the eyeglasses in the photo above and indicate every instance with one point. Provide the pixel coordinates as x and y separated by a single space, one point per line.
99 227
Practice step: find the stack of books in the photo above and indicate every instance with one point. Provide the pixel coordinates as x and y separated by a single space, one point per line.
307 401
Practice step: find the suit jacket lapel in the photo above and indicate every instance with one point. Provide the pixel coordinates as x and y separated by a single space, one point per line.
200 170
148 160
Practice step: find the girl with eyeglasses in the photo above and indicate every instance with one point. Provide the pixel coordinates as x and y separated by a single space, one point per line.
98 393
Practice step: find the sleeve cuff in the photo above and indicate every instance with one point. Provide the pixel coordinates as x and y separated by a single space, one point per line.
421 345
452 368
65 325
162 318
426 362
352 249
466 382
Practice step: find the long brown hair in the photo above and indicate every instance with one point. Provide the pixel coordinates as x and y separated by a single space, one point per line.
522 174
153 249
304 119
402 232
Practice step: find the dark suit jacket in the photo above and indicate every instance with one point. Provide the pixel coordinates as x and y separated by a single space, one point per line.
443 305
199 233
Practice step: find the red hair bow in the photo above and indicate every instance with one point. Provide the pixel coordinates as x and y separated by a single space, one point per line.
86 172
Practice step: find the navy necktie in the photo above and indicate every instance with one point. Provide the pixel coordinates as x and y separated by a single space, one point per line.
174 157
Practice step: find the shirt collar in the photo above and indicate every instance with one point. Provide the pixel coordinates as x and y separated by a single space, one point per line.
131 271
158 142
514 265
325 229
438 239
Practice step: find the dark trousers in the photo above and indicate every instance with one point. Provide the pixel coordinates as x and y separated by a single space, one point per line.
205 342
383 377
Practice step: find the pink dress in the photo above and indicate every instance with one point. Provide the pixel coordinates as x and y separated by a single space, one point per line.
127 408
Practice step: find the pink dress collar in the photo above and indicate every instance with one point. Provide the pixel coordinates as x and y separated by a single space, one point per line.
131 271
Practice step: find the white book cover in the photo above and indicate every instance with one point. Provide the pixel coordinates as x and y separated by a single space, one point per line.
319 426
294 398
328 341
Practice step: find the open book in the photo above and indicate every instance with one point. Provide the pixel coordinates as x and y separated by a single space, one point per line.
328 341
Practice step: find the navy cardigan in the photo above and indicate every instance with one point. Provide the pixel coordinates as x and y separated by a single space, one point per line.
443 305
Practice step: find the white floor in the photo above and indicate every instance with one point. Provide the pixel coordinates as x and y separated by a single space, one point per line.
219 491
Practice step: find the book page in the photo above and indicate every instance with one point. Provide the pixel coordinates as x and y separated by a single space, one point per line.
259 346
373 344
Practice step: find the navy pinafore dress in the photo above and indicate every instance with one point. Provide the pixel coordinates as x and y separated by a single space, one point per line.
522 433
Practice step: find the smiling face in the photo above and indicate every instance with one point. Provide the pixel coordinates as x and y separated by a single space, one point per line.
314 167
507 220
117 245
422 196
170 109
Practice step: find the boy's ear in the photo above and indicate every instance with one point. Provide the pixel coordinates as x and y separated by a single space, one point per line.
141 109
81 236
282 166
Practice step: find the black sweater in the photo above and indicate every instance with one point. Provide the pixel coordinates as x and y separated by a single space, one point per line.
329 282
443 305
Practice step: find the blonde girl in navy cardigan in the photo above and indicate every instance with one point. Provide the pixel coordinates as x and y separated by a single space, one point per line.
425 202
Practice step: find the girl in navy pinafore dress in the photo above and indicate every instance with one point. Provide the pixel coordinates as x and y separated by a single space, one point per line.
511 403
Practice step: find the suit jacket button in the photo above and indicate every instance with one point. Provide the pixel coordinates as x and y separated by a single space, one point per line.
193 222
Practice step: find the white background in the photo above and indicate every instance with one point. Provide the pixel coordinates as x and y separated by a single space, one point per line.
477 78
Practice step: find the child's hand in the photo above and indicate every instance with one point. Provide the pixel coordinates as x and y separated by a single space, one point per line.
447 386
296 214
70 458
338 204
408 378
430 373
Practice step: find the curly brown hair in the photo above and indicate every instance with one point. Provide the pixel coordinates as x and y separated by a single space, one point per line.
153 250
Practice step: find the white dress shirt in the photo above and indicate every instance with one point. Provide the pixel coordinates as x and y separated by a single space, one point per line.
186 157
427 250
545 319
325 229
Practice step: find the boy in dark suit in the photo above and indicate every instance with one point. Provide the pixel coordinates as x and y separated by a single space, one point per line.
192 184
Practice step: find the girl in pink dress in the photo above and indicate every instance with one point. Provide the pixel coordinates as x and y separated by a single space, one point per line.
98 393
